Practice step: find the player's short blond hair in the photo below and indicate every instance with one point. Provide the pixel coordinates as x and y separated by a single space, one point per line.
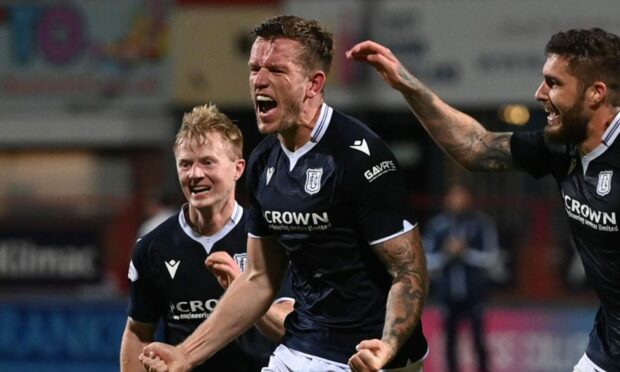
206 119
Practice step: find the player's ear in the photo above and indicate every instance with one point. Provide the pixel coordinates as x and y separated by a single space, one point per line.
239 168
596 93
317 84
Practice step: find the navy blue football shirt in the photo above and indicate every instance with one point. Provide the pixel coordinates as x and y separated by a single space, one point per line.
590 188
327 203
169 281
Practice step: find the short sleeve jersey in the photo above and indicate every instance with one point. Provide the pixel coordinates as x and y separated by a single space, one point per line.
327 203
169 282
590 188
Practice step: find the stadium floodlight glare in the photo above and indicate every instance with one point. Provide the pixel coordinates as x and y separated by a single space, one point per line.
514 114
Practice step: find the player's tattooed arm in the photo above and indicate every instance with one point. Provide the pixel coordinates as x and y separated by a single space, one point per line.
491 153
458 134
404 259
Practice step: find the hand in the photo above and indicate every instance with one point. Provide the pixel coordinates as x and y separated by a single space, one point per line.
455 246
382 59
223 267
153 363
160 357
371 356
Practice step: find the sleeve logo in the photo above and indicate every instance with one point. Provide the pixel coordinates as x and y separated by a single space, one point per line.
133 273
269 174
361 146
380 169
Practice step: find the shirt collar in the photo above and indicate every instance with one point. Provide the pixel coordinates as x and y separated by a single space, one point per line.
612 132
208 241
317 133
321 125
607 140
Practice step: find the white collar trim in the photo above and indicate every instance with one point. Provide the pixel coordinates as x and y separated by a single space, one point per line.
608 139
207 242
315 136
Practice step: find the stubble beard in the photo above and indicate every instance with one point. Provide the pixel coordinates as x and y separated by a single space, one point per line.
573 129
289 119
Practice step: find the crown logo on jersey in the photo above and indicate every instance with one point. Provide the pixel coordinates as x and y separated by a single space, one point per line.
269 174
313 180
604 183
172 267
361 146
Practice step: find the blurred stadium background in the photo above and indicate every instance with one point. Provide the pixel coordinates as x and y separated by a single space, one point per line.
92 92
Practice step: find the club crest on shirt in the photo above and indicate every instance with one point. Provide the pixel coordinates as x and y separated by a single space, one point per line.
313 180
604 183
241 259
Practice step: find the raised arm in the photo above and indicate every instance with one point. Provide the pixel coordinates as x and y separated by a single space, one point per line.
233 315
226 271
404 259
458 134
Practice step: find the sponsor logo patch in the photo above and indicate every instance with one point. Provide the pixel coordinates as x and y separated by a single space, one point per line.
586 215
380 169
297 221
192 309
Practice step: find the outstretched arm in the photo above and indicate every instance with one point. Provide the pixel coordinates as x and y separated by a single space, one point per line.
233 315
226 271
458 134
404 259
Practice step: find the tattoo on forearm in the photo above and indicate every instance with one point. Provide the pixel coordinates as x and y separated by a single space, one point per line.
421 103
409 287
493 154
458 134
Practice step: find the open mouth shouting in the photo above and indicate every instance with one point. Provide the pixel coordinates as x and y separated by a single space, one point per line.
553 117
265 106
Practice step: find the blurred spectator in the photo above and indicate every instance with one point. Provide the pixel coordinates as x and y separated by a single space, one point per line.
461 245
157 209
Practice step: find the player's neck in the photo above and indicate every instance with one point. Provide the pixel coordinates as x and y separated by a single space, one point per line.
600 121
299 134
208 221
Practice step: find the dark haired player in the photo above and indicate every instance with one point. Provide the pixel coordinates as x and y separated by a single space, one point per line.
580 92
327 194
169 280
